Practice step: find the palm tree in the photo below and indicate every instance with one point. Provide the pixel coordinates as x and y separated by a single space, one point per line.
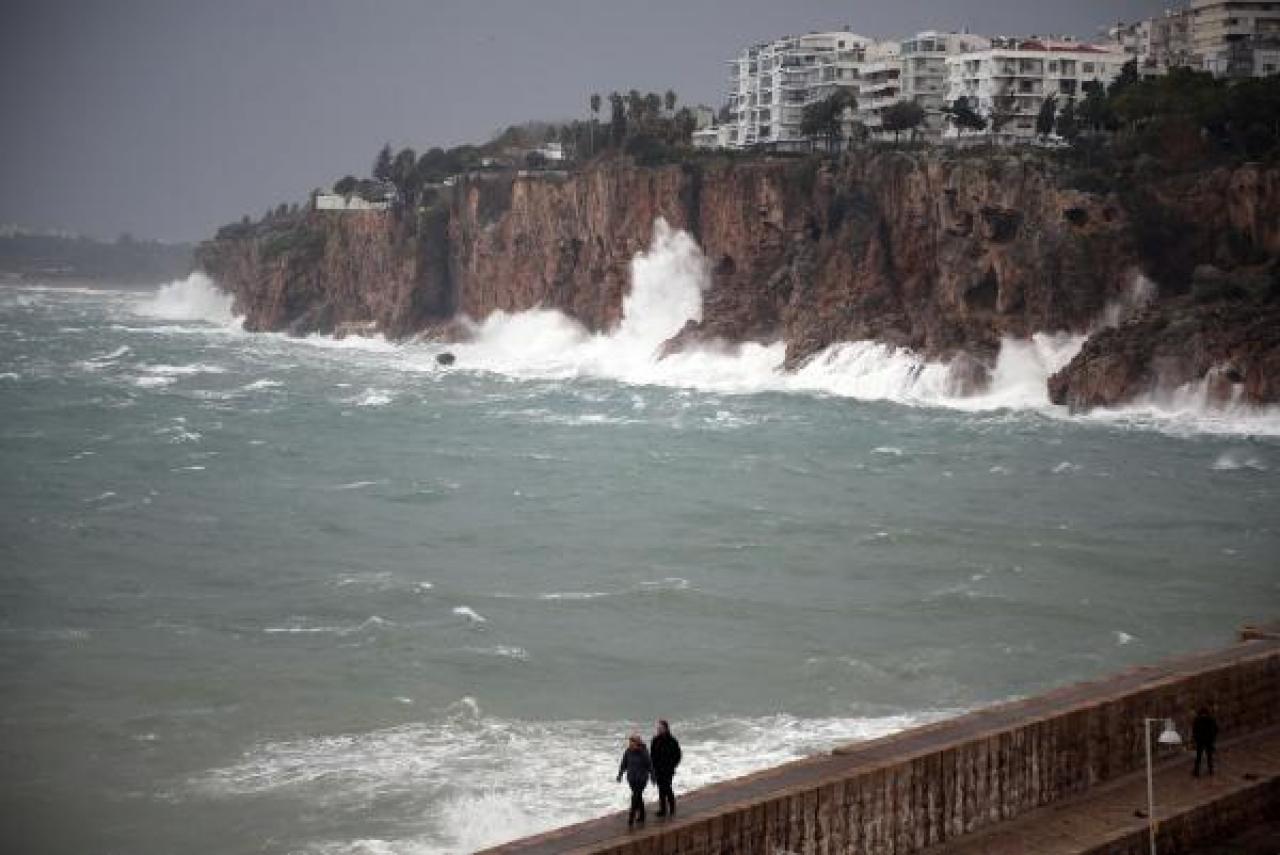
595 117
635 105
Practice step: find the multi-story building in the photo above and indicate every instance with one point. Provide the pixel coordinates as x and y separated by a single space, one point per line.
1168 44
771 84
879 85
1236 38
924 72
1014 77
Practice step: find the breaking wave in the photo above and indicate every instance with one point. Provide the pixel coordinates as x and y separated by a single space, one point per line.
195 298
668 282
470 776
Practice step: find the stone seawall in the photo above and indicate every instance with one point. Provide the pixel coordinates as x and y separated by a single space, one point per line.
936 784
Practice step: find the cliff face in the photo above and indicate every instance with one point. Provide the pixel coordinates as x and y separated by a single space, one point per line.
943 254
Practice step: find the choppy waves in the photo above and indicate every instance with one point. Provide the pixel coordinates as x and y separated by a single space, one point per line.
478 780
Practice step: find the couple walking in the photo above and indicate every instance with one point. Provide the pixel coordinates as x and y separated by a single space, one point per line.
658 761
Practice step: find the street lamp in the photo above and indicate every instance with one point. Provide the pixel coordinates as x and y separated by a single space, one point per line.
1168 736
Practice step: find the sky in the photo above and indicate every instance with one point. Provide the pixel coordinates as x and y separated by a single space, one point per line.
168 118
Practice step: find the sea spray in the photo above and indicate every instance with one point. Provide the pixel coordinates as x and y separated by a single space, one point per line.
194 298
668 283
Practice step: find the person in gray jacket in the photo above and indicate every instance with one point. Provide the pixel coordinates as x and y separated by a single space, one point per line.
638 768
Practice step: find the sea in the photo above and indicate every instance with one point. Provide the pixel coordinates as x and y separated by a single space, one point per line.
309 595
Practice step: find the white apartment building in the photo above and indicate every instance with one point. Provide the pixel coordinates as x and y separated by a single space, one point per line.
770 84
1236 38
879 85
338 202
924 72
1017 75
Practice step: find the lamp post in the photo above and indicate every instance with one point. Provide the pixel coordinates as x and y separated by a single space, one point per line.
1168 736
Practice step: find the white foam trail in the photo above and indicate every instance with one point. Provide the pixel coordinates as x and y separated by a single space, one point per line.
466 781
470 614
195 298
1235 459
372 398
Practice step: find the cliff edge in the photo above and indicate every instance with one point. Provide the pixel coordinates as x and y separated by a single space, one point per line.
944 253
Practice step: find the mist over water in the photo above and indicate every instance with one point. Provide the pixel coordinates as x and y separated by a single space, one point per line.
306 595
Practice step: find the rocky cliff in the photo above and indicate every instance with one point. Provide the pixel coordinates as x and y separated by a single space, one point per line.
945 254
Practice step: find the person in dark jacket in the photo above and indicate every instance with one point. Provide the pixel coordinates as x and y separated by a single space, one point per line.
637 766
664 749
1204 733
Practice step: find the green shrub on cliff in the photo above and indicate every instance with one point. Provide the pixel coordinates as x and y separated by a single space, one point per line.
300 241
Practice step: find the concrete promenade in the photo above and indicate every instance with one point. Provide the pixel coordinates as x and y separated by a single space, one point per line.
1061 772
1106 818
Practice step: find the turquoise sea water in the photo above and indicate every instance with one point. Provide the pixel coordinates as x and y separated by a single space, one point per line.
274 595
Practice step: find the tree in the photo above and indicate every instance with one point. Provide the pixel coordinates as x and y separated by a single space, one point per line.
617 118
824 120
595 117
1095 111
382 164
1068 126
402 174
346 185
1003 110
652 108
1127 78
669 100
901 116
1045 118
684 124
964 117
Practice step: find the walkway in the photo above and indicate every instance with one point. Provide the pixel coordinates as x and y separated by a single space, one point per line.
1110 812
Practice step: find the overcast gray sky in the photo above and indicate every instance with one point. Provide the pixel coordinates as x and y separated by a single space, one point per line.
166 118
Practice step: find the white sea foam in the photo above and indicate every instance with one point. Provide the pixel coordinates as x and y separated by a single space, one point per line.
470 614
503 651
153 382
372 398
257 385
195 298
667 286
1235 459
469 774
356 485
302 627
182 370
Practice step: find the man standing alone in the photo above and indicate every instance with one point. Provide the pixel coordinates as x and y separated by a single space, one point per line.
1204 733
664 749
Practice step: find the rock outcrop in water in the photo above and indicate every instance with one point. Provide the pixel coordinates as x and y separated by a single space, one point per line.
945 254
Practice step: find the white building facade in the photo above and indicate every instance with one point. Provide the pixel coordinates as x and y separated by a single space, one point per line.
770 84
1015 76
1236 38
338 202
1229 38
879 85
925 75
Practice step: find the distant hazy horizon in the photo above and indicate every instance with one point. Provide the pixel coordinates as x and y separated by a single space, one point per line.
167 119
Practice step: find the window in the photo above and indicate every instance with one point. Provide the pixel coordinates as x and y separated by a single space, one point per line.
1087 68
